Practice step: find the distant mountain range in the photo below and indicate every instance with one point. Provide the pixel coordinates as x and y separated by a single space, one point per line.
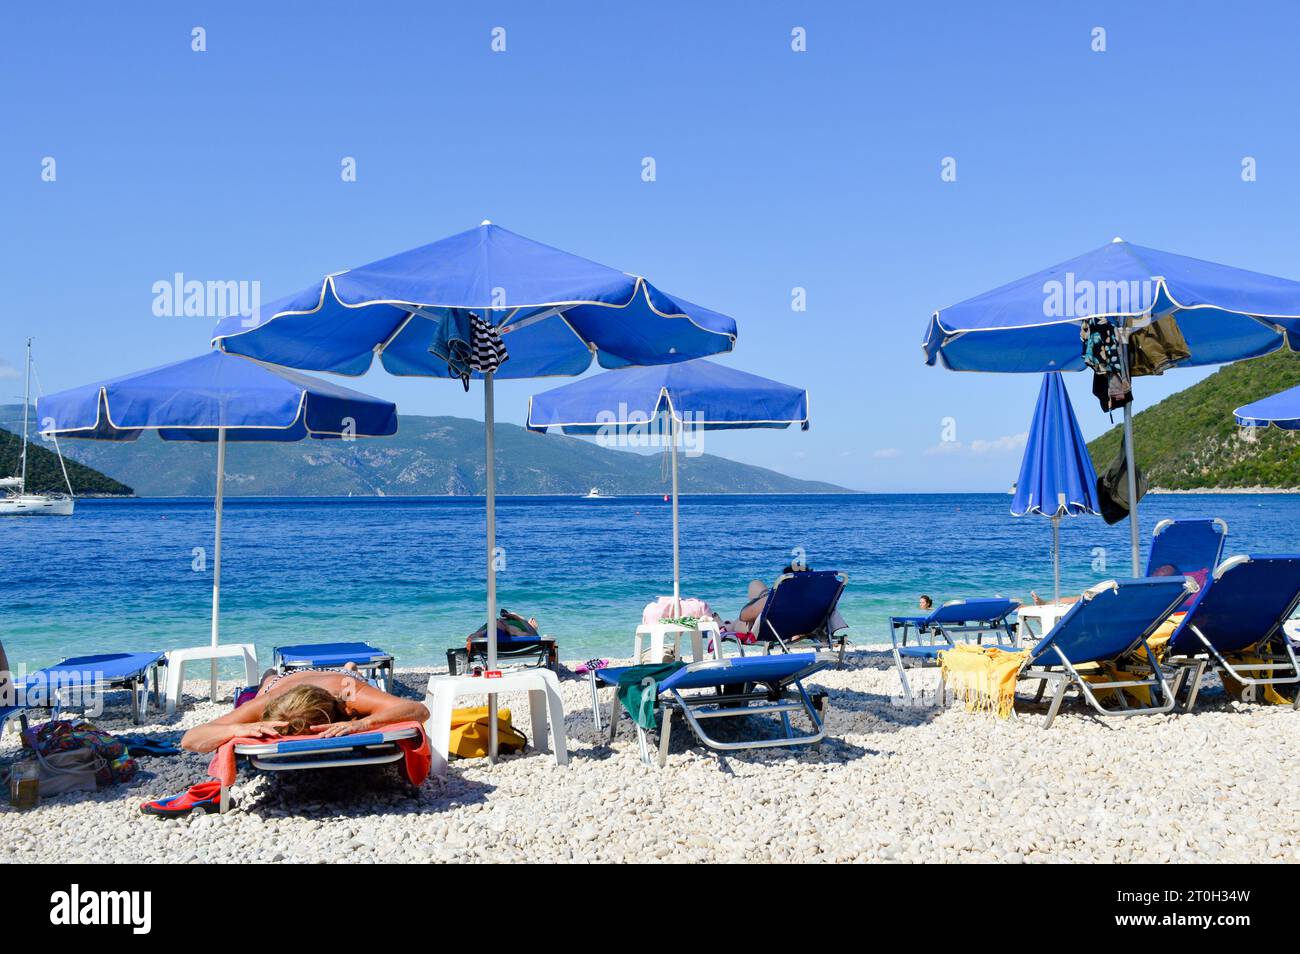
429 455
1190 441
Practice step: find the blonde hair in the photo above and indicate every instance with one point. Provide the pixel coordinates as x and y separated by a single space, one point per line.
303 707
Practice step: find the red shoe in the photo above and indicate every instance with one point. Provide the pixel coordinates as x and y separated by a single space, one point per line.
205 797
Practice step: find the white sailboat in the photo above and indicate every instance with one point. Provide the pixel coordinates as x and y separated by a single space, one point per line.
17 502
595 494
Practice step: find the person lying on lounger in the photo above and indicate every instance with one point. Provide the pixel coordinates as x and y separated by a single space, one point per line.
322 702
1167 569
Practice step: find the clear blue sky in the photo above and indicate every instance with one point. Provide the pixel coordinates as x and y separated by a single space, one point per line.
775 169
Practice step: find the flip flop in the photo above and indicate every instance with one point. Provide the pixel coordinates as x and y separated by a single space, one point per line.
205 797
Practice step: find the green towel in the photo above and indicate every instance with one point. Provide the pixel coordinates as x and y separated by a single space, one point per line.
638 688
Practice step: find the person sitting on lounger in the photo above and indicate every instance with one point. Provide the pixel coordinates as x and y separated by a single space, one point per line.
757 596
311 701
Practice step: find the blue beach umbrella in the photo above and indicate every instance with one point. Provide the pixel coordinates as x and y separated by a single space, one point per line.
419 311
677 398
1033 324
1281 410
215 398
1057 478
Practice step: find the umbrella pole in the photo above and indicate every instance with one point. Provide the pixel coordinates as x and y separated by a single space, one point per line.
1056 558
491 493
1135 544
677 576
218 504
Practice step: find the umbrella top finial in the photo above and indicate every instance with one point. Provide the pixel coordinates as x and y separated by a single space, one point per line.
486 222
1113 241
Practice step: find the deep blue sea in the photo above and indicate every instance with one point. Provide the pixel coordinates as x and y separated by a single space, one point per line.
408 573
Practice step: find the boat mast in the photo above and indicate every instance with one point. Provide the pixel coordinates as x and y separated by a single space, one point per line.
27 397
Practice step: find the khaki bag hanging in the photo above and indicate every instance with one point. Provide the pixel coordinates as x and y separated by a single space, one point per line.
469 733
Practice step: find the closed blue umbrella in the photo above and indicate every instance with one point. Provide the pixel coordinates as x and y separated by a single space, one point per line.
551 311
693 395
215 398
1057 478
1282 410
1032 324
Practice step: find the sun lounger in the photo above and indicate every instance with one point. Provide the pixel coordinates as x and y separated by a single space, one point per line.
1107 630
1186 548
729 689
374 663
380 747
78 679
800 607
1235 624
957 620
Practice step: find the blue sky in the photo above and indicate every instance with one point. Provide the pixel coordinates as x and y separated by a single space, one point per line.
775 169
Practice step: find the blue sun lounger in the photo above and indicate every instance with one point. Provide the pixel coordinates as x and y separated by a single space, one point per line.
1110 625
1186 546
345 751
964 620
77 680
1240 613
376 664
799 607
730 688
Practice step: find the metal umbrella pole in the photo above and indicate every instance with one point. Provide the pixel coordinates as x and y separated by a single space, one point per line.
1056 558
218 505
1130 459
677 574
491 631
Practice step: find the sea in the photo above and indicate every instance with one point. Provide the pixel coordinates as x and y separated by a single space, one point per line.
407 574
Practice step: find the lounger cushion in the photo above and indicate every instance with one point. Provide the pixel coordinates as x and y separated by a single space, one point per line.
1242 607
734 671
1112 622
102 668
331 654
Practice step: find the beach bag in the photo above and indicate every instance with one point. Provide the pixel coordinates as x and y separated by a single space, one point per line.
112 761
511 627
469 733
72 770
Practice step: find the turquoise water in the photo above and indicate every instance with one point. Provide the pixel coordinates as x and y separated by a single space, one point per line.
407 573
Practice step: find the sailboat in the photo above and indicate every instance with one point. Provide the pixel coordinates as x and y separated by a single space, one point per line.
17 502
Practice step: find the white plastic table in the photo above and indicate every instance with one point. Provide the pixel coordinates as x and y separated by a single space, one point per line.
1046 615
544 704
177 658
657 634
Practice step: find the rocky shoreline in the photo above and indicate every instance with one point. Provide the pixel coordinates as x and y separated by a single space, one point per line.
889 784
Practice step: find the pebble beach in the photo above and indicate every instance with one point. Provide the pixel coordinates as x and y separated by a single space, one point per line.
889 784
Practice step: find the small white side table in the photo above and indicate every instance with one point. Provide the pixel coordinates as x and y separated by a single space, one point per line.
177 658
544 704
657 634
1047 615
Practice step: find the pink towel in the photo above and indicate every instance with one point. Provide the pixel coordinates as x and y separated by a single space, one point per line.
662 608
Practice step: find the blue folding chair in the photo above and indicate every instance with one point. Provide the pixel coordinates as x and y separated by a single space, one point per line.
799 607
964 620
376 664
345 751
1240 613
1187 548
1111 624
79 679
730 688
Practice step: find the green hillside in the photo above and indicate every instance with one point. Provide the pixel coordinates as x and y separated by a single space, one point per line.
428 455
1189 440
44 474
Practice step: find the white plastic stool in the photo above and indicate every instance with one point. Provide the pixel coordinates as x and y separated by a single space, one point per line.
177 658
542 686
658 636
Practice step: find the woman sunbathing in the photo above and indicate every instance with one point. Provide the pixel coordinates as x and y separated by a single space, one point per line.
321 702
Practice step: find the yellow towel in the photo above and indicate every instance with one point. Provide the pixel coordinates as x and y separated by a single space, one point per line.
1236 689
983 677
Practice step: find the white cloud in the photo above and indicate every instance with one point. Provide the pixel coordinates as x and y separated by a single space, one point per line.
1008 444
887 453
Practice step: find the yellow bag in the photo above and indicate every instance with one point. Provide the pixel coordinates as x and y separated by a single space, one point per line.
469 733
